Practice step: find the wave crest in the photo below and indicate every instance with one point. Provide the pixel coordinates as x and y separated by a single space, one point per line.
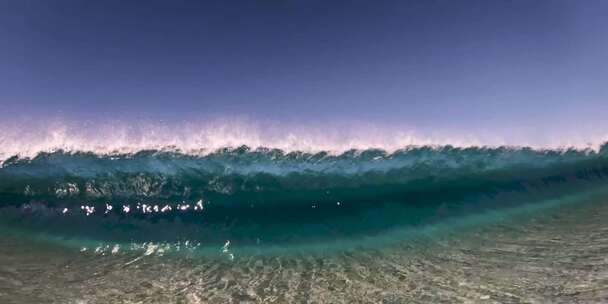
202 138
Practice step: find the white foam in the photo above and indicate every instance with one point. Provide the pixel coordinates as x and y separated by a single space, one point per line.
29 139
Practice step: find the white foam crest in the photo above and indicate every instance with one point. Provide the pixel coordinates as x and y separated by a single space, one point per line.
27 140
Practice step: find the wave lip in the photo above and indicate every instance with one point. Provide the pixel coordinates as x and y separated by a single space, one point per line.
146 175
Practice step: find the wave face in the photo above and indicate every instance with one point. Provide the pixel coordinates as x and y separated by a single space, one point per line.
253 196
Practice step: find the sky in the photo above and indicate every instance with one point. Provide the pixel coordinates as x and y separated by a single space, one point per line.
531 66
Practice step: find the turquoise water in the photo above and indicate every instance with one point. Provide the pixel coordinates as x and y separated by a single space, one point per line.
264 225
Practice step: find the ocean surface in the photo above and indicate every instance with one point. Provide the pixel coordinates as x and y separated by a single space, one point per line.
422 224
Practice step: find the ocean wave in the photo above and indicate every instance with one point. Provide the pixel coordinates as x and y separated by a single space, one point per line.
247 195
252 193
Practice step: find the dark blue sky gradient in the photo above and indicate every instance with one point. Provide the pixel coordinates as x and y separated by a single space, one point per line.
421 64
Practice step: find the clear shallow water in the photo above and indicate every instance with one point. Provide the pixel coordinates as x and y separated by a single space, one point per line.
417 225
557 255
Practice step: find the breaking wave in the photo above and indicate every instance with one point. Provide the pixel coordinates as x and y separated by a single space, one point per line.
253 195
255 186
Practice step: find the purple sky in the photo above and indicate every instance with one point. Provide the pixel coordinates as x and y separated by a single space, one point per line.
464 65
